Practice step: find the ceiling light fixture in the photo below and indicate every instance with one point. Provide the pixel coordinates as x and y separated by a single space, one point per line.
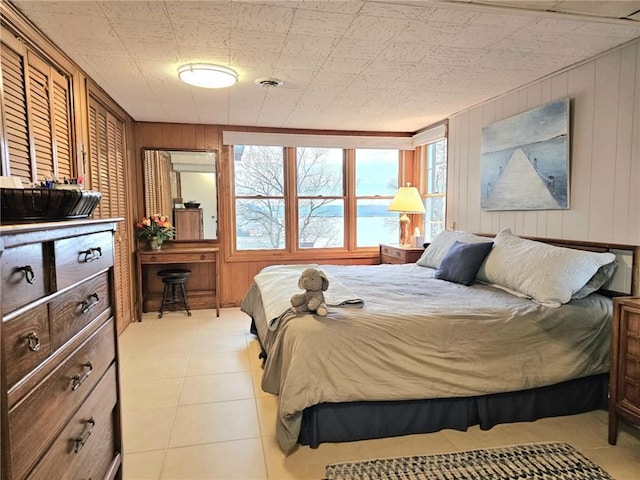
207 75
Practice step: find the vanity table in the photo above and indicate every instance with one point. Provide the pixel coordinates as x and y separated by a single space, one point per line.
203 284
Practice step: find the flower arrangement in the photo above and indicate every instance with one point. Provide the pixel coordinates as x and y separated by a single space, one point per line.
155 225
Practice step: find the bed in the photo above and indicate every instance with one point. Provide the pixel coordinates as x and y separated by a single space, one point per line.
421 354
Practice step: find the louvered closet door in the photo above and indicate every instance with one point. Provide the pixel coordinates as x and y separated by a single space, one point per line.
60 123
40 116
107 150
37 109
165 198
15 113
150 195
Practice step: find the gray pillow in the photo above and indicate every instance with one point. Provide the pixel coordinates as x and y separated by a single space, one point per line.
548 274
440 245
601 277
462 262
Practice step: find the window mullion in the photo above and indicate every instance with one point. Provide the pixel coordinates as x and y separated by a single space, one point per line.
291 199
350 207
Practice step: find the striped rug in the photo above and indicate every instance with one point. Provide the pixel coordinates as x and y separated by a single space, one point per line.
540 461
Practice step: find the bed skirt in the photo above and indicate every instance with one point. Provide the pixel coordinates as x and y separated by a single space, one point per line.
345 422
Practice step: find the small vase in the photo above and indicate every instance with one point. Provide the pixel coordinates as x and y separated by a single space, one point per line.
154 243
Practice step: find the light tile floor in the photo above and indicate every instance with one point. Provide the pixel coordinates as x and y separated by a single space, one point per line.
193 409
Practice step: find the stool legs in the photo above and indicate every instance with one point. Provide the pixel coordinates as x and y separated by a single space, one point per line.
174 294
184 298
165 299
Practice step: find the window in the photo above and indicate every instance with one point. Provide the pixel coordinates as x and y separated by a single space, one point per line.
320 186
435 158
311 189
375 185
260 197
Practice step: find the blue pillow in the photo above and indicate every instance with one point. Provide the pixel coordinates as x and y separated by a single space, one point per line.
462 262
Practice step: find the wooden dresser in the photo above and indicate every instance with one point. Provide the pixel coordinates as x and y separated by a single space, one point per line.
59 377
624 382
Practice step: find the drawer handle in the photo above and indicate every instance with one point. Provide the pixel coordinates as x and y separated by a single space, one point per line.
94 253
78 380
33 341
29 275
81 439
88 305
154 258
397 254
202 257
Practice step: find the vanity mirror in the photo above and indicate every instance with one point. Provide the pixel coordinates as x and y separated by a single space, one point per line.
182 184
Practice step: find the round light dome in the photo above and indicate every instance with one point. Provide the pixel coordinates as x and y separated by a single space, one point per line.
207 75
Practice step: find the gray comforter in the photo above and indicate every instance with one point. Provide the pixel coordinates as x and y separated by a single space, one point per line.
417 337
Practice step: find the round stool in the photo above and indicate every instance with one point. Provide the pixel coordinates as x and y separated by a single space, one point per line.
175 292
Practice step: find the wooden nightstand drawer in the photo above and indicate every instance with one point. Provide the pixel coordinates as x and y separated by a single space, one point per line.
398 254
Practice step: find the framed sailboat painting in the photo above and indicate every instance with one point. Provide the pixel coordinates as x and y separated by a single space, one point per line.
525 160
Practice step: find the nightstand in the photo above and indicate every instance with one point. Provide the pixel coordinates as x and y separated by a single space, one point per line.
624 377
399 254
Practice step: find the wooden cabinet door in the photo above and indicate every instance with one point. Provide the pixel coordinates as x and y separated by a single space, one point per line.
37 115
188 223
107 154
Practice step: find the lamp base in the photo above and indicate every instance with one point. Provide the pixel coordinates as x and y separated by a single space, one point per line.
405 239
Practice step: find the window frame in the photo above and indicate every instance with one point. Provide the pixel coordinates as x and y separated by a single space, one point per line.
292 248
424 181
286 154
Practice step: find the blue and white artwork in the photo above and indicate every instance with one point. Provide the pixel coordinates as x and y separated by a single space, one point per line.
525 160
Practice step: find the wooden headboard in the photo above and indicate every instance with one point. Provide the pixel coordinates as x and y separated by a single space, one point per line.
625 280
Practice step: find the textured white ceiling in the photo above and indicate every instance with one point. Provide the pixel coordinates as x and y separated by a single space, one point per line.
346 65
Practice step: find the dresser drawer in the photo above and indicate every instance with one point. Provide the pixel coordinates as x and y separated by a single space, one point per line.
26 343
36 420
86 448
79 257
23 276
72 311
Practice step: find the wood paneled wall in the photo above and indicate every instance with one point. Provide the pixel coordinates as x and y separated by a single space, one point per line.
604 158
236 274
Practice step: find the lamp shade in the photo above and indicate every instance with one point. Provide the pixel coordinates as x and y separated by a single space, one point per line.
207 75
407 200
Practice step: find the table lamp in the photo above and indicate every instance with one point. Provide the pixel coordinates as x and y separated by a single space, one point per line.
407 200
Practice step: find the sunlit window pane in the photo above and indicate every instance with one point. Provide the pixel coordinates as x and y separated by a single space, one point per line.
376 172
437 167
320 223
260 224
319 171
375 224
434 216
258 170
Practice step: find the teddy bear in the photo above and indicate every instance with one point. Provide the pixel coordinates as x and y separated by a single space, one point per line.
314 282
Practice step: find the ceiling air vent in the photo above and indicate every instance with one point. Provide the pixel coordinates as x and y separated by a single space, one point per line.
269 82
